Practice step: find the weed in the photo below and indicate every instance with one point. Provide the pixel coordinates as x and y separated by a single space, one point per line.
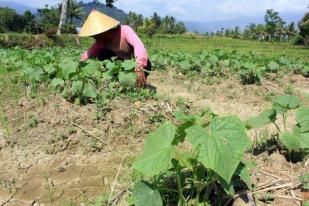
49 185
156 118
32 121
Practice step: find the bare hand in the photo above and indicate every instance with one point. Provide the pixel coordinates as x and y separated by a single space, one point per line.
141 78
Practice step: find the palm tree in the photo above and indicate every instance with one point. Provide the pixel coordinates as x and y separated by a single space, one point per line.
75 11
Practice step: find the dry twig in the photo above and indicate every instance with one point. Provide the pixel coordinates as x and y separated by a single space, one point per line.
91 135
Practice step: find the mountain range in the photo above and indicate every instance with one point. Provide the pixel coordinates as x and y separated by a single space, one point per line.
20 8
198 26
242 22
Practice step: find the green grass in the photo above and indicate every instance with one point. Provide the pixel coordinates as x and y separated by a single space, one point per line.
227 44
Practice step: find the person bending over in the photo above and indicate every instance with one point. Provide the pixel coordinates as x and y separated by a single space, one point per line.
115 40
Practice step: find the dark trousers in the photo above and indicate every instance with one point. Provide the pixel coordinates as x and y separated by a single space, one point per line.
106 54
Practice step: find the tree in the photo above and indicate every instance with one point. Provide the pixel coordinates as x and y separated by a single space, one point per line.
30 25
75 11
251 31
291 30
134 20
156 19
236 33
49 17
180 28
109 3
63 16
303 26
273 23
9 20
168 24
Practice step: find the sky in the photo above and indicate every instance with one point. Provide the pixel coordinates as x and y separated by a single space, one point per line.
198 10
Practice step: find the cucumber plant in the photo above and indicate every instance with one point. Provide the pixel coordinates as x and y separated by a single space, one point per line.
213 164
298 138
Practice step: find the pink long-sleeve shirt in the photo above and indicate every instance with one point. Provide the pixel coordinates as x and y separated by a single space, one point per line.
126 45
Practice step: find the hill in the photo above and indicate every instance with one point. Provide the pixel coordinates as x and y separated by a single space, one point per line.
113 12
242 22
20 8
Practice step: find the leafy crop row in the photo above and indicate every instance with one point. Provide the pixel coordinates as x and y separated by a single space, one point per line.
250 67
79 82
213 165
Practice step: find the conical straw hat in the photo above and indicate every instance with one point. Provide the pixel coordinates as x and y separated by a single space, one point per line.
97 23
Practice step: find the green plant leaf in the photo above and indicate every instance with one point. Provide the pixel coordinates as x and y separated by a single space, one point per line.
222 150
158 151
144 195
57 82
50 69
90 90
286 102
77 87
68 67
241 175
127 79
305 203
113 68
186 159
273 66
294 140
302 118
34 74
179 115
262 119
244 175
128 65
304 180
91 68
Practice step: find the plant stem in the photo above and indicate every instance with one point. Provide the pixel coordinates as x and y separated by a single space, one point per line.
284 121
181 197
278 128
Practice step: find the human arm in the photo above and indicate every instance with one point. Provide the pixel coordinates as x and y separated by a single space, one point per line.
140 53
91 52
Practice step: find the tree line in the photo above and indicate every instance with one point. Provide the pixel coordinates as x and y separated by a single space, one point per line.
45 20
155 24
274 29
48 19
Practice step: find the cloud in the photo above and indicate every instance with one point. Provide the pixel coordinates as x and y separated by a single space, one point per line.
198 10
254 7
39 4
209 10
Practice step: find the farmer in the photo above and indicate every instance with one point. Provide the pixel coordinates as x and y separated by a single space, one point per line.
115 40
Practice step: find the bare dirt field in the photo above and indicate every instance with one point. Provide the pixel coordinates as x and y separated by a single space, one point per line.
56 153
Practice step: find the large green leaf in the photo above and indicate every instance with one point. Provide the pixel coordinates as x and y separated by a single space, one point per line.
302 118
50 69
127 79
273 66
34 74
262 119
57 82
91 68
241 175
77 87
294 141
286 102
181 116
68 67
113 68
158 151
90 90
129 65
144 195
222 149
